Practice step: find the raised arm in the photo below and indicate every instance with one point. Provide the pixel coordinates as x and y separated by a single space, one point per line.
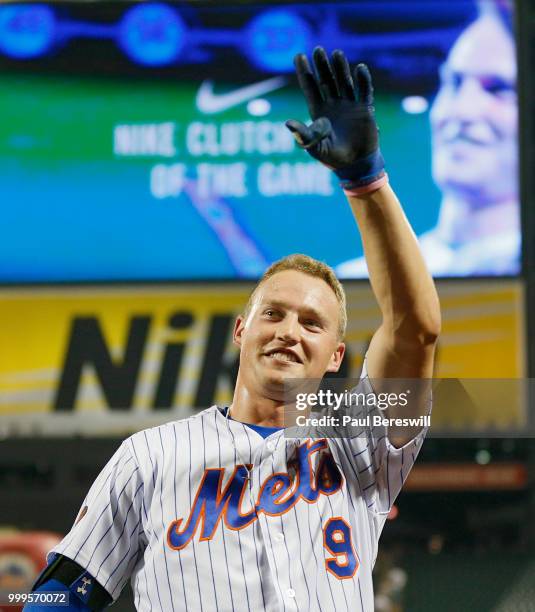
404 344
344 136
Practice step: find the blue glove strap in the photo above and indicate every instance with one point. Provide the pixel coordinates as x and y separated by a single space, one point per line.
362 172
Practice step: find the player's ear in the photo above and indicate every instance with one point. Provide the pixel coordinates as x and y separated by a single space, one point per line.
239 326
336 358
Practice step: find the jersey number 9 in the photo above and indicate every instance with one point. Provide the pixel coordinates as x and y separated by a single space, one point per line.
337 540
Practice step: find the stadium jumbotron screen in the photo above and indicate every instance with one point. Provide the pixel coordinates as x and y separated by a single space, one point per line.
146 141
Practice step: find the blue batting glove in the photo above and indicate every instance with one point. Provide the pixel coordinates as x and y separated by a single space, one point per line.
343 134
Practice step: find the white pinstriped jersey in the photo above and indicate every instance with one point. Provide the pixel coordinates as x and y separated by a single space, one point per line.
175 512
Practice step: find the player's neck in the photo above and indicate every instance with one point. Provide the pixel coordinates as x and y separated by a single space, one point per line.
250 407
459 222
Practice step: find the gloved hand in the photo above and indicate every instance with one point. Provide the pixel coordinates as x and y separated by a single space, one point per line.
343 134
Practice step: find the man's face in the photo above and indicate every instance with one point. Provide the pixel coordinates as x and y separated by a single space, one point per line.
474 116
291 331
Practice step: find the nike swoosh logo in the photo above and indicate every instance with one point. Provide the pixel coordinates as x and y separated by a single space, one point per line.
210 103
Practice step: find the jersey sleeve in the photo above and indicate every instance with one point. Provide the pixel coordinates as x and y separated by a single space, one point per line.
106 536
377 469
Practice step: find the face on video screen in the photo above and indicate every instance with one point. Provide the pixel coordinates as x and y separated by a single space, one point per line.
474 117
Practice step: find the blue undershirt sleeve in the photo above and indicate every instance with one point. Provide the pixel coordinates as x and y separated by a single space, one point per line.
75 604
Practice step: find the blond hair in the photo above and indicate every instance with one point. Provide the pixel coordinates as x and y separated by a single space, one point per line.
314 268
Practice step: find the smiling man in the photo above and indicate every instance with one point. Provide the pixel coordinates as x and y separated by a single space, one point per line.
474 126
223 511
292 327
474 122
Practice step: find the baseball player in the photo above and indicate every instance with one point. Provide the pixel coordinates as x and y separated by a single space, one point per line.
222 511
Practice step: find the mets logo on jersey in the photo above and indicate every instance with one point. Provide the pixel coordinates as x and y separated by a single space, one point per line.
278 494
